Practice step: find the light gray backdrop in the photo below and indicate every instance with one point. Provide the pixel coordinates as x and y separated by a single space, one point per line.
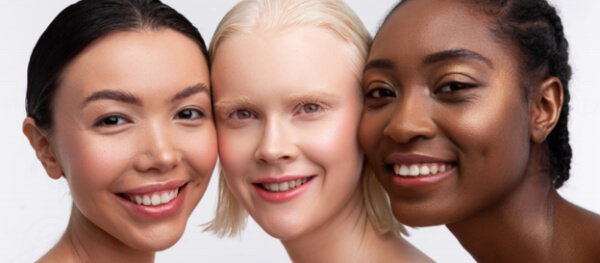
34 209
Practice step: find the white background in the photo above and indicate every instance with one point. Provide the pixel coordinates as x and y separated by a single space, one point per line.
34 209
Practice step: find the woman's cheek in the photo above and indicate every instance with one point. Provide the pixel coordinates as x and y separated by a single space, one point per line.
235 150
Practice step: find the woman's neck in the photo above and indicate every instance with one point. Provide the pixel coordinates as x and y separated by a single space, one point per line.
518 228
83 241
348 237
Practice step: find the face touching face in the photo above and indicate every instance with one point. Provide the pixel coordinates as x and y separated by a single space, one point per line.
445 124
134 135
287 108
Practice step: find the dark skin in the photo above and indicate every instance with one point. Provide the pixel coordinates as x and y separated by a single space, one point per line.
440 88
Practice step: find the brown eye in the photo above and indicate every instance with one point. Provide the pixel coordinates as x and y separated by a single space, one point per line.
110 121
454 86
378 93
189 114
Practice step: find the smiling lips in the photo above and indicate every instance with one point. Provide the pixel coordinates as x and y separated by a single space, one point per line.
154 199
420 169
284 186
280 189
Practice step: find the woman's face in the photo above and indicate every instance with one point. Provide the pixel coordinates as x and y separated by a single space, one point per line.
445 123
287 108
134 135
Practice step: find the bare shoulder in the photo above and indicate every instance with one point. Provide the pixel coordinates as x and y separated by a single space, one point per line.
404 251
61 252
577 234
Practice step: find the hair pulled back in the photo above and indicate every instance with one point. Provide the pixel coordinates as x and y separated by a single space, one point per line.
536 30
76 27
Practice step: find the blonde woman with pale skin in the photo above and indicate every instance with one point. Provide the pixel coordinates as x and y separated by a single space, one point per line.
287 98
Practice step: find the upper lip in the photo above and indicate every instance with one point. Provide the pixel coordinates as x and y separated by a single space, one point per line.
155 187
412 159
281 179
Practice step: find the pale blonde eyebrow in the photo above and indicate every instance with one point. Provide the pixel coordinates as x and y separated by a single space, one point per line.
312 96
229 104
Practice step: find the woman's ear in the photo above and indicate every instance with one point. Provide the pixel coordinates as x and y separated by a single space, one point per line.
41 145
545 108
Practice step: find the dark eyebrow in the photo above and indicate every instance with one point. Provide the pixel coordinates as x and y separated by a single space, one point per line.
189 91
112 95
454 54
379 64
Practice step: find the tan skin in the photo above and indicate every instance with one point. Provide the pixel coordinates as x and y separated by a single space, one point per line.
132 117
441 89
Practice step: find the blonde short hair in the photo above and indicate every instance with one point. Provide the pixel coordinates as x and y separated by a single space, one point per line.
251 15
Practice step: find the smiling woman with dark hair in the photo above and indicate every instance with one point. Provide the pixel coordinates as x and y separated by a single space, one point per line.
465 124
118 103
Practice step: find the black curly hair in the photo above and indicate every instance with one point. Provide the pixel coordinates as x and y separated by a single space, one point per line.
76 27
536 30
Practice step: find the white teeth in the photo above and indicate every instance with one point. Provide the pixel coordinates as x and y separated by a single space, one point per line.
284 186
424 170
154 199
413 170
433 169
146 200
138 199
165 198
421 169
403 170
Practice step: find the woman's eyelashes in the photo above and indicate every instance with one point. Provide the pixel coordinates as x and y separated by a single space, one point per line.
114 120
310 108
242 114
379 93
453 87
302 109
110 121
190 114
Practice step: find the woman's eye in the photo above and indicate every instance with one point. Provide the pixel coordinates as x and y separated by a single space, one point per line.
309 108
242 115
378 93
454 86
110 121
189 114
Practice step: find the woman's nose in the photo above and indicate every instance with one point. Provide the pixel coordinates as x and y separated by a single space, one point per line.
412 119
157 151
276 144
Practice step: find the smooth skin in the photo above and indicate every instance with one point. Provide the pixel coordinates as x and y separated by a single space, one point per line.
288 103
441 88
132 110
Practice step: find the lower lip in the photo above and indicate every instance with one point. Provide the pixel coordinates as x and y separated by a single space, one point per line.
282 196
159 211
420 181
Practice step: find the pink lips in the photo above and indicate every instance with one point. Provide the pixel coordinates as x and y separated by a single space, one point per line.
158 211
284 195
418 181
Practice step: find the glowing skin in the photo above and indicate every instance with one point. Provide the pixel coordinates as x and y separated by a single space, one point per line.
442 89
426 104
133 117
288 105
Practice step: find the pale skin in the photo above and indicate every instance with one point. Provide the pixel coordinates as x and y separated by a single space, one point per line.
288 103
450 92
132 116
